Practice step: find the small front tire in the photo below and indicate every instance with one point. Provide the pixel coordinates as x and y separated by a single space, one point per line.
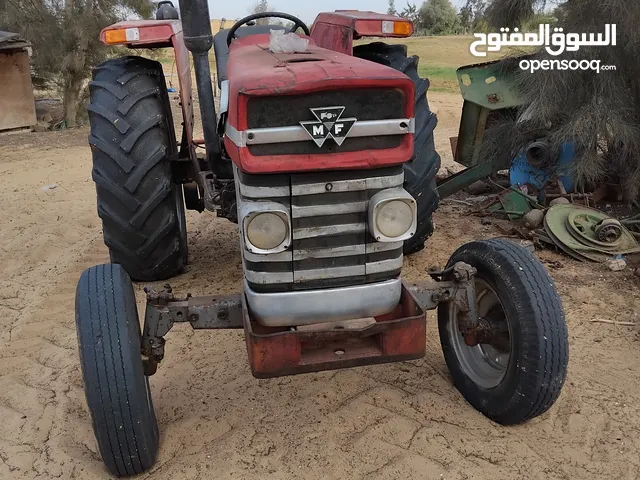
117 391
519 373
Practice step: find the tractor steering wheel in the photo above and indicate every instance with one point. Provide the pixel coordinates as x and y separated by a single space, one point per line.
297 23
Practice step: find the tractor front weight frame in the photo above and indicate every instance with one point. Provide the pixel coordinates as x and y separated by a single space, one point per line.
277 351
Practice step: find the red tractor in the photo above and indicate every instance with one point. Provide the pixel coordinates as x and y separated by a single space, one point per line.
324 156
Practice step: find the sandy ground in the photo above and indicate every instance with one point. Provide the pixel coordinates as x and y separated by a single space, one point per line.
388 422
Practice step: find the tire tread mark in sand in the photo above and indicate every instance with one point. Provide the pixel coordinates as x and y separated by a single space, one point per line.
360 434
342 403
384 465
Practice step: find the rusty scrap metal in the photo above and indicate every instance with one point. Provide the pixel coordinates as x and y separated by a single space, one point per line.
455 284
276 351
164 310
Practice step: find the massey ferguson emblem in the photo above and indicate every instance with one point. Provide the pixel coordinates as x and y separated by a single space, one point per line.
329 124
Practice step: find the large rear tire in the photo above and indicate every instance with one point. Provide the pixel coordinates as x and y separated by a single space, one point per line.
517 373
420 172
132 141
117 391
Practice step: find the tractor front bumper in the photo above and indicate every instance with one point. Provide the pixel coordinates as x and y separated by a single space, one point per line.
362 339
304 307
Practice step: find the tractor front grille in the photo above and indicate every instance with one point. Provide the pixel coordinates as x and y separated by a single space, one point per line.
290 110
331 244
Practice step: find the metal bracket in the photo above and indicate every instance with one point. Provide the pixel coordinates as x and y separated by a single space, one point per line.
211 197
164 309
455 284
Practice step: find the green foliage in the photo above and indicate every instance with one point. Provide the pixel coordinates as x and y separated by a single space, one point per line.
472 15
560 13
511 13
439 17
411 13
533 23
392 8
482 26
65 38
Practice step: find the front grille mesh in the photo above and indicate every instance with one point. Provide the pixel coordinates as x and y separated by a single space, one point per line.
331 244
362 103
290 110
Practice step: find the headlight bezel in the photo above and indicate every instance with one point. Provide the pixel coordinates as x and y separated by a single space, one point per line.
381 199
250 210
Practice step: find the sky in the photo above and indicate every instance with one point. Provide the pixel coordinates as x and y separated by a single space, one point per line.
305 10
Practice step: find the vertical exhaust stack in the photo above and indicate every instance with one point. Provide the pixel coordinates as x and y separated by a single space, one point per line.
198 39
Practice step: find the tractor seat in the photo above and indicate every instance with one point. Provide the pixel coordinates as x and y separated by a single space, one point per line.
221 49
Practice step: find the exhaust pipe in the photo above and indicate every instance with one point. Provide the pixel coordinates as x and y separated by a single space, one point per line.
198 39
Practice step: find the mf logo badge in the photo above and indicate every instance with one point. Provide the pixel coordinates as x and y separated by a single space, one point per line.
330 124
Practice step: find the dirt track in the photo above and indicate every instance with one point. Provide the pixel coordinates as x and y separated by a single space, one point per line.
400 421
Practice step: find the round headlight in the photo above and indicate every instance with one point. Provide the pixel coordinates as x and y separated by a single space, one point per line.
394 218
266 231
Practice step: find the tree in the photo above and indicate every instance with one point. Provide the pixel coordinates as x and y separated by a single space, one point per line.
471 14
598 112
411 13
439 17
392 8
560 13
262 6
65 38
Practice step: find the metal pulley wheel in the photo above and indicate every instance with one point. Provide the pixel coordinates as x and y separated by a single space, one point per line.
609 231
588 234
583 225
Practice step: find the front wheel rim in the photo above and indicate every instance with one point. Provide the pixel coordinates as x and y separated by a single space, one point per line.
485 364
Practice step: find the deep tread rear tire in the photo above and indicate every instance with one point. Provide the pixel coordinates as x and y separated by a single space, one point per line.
420 172
117 391
132 139
539 354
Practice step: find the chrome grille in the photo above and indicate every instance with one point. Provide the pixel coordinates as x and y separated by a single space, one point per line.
331 244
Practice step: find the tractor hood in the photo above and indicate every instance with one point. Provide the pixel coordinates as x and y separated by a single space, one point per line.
314 110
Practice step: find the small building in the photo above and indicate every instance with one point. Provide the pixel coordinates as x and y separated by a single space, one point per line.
17 104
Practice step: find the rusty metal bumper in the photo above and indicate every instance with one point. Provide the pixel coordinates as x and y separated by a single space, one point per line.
396 336
290 349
